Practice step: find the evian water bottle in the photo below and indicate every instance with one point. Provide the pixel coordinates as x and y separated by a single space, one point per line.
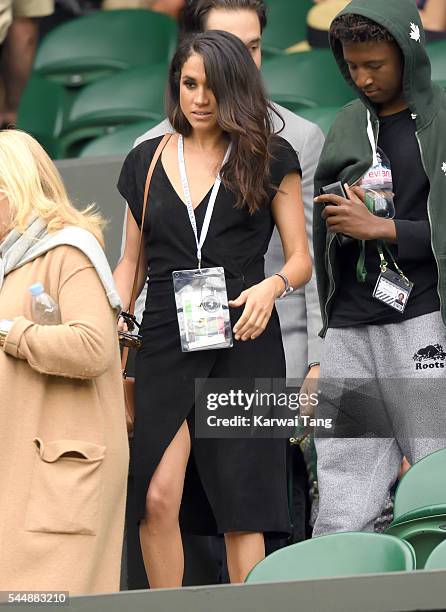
44 309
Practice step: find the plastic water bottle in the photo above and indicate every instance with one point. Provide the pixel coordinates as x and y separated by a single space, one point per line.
44 309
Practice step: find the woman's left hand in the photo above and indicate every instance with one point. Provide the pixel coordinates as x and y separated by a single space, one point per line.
259 302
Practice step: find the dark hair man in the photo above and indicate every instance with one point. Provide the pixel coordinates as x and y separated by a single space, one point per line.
299 313
400 117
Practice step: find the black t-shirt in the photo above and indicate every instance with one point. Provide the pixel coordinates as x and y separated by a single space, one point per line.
236 239
353 303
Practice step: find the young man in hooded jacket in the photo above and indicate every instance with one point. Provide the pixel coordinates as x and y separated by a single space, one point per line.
393 137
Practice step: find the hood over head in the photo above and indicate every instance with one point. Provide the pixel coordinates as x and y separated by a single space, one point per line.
402 20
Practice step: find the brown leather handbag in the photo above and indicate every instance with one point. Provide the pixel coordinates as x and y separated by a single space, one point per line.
129 381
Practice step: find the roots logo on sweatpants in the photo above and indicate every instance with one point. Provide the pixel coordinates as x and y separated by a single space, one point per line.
431 356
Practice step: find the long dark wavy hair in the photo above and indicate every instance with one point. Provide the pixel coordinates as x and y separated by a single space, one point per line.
243 111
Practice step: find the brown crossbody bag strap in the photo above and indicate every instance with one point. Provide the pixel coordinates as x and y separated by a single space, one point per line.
131 310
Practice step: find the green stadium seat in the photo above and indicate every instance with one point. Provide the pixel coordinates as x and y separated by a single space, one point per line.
437 558
422 485
93 46
134 95
424 533
420 506
43 110
335 555
287 25
307 79
437 55
322 116
118 142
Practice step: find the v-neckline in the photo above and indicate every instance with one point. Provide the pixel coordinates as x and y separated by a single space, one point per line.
178 195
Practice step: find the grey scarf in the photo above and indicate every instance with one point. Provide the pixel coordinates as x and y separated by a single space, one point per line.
19 249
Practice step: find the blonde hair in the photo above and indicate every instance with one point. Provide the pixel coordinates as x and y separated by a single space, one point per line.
34 188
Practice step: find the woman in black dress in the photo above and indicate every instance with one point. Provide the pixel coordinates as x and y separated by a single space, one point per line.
215 99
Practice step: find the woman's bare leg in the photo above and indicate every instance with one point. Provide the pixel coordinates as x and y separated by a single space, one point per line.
243 551
159 532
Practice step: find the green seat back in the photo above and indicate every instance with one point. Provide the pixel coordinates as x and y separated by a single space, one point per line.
321 115
421 513
437 55
134 95
43 111
93 46
437 558
287 25
307 79
339 554
119 142
424 534
424 484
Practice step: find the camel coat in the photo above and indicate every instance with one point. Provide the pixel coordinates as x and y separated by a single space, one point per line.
63 443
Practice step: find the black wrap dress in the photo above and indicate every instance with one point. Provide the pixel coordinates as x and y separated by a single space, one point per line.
231 484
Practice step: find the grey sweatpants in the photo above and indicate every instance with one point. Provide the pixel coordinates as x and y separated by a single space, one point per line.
405 364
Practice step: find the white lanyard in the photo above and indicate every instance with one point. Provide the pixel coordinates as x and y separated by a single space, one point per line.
187 197
371 136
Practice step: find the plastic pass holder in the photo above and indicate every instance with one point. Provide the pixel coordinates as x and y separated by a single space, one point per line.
202 309
392 288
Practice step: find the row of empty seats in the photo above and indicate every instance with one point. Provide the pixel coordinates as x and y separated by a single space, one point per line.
102 43
98 75
51 112
416 539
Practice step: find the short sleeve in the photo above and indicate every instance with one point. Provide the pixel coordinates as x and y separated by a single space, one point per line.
283 161
133 175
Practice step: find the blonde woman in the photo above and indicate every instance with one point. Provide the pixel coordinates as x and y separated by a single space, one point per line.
63 447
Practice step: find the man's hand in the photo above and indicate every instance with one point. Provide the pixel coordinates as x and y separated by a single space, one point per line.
309 386
306 403
350 216
405 465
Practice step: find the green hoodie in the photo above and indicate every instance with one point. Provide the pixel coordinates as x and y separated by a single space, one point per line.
347 153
